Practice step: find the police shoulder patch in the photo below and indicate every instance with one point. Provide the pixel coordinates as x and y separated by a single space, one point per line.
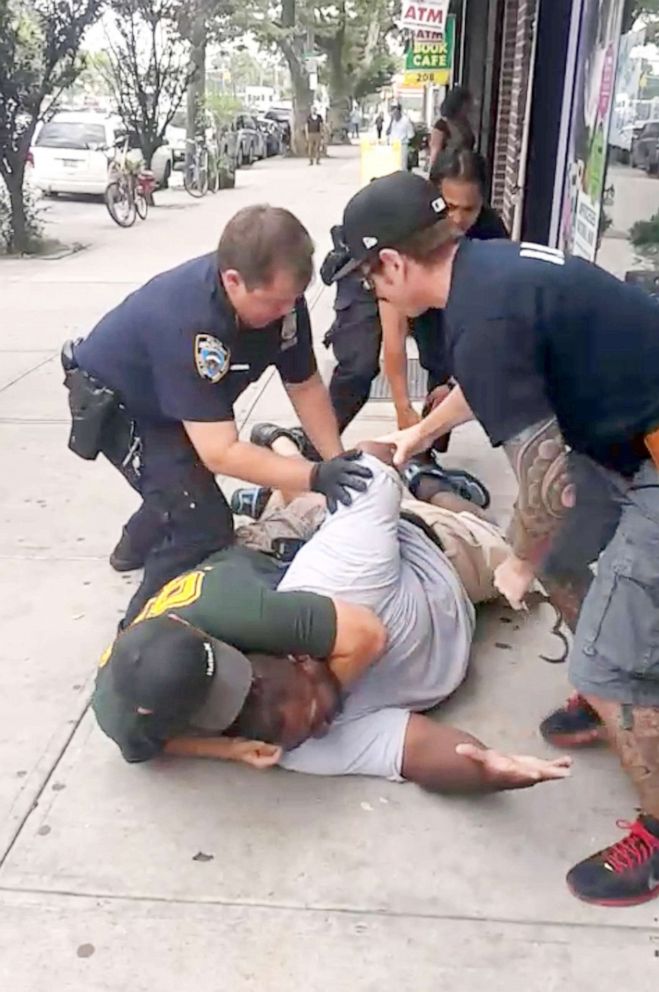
211 357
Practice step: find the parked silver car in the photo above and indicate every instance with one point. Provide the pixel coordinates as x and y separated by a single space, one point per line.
645 148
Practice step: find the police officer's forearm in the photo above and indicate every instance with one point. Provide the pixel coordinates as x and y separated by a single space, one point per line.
450 413
263 467
312 403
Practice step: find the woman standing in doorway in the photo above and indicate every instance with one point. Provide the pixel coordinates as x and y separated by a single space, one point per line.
453 130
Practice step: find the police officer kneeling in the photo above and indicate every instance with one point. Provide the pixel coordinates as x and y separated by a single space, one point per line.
154 385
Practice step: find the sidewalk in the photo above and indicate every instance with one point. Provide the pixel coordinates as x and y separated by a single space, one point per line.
311 885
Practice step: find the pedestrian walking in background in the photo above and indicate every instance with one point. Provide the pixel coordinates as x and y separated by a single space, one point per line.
379 124
314 133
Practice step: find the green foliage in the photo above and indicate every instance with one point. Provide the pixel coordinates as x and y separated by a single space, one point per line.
39 58
32 208
147 67
645 233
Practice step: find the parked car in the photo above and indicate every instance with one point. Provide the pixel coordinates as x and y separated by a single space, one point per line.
72 153
272 133
645 148
284 118
248 142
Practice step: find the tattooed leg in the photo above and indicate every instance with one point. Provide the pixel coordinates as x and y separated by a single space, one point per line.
633 732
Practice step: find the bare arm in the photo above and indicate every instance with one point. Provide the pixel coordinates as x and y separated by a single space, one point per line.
222 453
361 639
254 753
437 141
539 459
445 759
313 405
450 413
394 335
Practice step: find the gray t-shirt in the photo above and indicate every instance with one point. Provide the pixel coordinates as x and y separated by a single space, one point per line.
365 554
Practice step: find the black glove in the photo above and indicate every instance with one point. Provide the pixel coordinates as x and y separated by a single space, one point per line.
335 479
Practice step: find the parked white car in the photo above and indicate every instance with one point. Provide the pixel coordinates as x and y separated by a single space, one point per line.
71 153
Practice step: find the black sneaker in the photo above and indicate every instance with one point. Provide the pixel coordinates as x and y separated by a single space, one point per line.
125 558
265 435
576 724
625 874
250 501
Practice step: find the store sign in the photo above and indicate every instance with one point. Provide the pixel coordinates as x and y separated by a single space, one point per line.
429 16
431 62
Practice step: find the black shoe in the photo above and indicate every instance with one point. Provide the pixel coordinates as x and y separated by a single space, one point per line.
449 480
125 558
250 501
625 874
265 435
576 724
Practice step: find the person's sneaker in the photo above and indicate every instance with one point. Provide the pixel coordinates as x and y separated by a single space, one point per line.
576 724
250 501
264 435
125 558
455 481
625 874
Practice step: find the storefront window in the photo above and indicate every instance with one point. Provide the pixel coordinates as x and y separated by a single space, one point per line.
629 227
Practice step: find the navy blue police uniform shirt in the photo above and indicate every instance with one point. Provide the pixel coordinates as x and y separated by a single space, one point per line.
173 350
534 334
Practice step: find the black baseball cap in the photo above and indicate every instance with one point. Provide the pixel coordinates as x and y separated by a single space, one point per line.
176 671
387 212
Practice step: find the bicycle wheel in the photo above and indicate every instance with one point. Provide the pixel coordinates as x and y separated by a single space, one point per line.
120 203
141 204
195 179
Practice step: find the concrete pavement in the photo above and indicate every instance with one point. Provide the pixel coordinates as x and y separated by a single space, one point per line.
309 884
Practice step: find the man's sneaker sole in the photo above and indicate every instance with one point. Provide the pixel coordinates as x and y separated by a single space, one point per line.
615 903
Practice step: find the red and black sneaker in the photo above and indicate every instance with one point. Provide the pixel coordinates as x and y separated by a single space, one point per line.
625 874
575 724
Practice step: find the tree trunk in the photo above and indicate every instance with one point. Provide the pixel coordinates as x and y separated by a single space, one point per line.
293 51
339 93
195 124
19 237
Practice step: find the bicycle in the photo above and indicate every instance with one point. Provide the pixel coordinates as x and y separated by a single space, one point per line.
129 190
195 176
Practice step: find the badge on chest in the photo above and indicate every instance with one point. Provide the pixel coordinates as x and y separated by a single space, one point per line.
211 357
289 331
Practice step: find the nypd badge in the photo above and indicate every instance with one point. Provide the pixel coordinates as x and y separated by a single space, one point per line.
211 357
289 331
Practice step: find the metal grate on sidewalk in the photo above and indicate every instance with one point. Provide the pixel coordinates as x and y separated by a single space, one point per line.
417 379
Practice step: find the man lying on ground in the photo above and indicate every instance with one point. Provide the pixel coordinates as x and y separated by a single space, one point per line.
318 701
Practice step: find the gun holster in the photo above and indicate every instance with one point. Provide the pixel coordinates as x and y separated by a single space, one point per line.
91 404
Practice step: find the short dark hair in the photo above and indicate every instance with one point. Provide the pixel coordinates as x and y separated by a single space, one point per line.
261 718
426 246
261 240
462 164
455 101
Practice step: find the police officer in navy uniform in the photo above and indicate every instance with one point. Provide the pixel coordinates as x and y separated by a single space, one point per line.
153 388
559 362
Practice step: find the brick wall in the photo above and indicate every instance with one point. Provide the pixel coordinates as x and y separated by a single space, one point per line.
516 51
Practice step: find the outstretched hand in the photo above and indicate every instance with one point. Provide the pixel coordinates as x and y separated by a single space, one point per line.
514 771
407 443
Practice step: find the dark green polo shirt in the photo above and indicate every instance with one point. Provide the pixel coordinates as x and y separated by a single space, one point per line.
230 597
